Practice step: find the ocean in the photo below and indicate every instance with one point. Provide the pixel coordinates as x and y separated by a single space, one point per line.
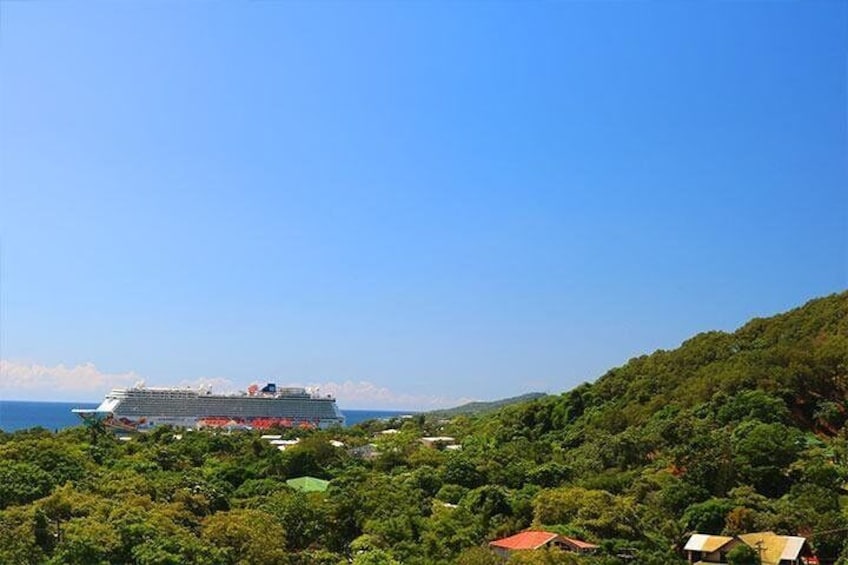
20 415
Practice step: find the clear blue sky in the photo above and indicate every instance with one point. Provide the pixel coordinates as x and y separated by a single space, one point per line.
452 200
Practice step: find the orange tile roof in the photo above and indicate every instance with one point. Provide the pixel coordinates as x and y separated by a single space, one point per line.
524 540
536 539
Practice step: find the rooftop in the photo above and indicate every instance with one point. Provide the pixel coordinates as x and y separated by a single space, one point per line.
533 539
525 540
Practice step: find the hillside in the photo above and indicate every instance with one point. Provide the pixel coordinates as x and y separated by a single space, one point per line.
799 358
727 434
478 407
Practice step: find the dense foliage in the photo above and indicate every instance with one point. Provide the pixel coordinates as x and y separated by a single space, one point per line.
478 408
730 433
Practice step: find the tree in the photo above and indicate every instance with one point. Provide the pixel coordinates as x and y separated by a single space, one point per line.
708 517
447 531
543 557
18 544
86 541
763 455
743 555
245 536
22 482
306 517
739 521
550 474
58 507
375 557
478 556
459 470
488 503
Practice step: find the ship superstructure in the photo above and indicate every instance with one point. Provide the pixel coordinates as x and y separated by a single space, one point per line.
141 407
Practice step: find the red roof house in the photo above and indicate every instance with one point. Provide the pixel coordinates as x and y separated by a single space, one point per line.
537 540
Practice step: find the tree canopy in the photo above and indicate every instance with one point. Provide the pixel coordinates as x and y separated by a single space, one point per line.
727 434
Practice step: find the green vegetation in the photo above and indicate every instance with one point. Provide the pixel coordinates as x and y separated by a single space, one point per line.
478 408
730 433
743 555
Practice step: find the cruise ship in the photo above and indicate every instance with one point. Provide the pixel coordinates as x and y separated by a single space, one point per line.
140 408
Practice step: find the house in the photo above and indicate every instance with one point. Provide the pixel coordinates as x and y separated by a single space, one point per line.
438 441
704 548
283 444
368 451
774 549
308 484
538 540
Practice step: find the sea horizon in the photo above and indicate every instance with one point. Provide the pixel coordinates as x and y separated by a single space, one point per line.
56 414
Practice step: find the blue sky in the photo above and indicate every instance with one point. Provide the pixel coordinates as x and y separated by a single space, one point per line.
408 203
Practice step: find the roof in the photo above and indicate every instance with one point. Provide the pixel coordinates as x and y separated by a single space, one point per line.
579 543
525 540
706 542
308 484
774 547
536 539
793 547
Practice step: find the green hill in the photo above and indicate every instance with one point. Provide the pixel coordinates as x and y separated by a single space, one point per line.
478 407
729 433
799 358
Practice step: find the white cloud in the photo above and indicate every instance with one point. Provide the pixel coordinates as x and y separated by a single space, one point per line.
22 380
25 380
365 394
349 394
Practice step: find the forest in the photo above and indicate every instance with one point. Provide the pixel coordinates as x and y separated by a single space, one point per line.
728 433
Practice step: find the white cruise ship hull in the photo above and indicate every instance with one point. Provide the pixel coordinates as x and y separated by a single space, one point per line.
137 409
